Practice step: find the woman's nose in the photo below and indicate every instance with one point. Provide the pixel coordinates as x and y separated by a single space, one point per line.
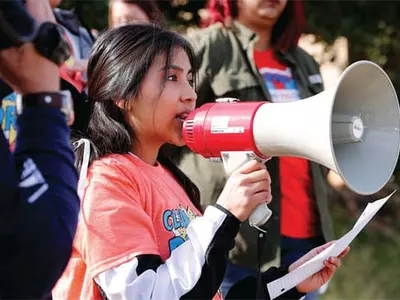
189 94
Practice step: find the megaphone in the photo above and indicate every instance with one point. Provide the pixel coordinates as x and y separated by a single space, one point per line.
352 129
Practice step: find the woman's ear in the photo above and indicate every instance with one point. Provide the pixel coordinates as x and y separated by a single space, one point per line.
120 103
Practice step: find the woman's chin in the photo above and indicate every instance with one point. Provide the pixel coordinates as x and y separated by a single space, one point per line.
180 143
177 141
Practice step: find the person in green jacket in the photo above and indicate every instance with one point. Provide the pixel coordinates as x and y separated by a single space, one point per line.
249 51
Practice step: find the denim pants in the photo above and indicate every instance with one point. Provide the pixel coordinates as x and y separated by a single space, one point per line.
291 250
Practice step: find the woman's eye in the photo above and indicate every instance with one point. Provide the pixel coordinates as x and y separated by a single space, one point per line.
191 82
172 78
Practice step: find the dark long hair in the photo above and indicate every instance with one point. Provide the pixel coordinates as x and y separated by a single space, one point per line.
286 31
119 60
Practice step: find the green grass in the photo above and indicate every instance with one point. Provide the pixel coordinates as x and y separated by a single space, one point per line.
372 268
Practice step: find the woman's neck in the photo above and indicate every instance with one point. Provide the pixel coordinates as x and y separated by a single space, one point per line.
264 35
146 153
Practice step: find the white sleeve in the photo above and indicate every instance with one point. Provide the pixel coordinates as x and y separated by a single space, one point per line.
195 269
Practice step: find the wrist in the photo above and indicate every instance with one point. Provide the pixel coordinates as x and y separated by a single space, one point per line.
227 212
231 210
226 220
40 75
48 84
58 100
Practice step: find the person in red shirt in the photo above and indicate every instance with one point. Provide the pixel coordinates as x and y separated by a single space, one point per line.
249 50
297 197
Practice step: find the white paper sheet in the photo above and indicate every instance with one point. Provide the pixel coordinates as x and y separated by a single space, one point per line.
290 280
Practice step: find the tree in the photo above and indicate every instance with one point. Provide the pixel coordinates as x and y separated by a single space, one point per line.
372 28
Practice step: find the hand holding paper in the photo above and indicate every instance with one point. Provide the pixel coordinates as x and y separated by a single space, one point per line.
324 275
308 272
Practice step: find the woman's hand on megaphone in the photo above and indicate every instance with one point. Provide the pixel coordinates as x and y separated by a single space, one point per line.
247 187
326 273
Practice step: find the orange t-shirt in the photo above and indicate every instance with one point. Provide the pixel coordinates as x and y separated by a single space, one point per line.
129 208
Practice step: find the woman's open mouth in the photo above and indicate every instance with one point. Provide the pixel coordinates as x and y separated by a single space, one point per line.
182 116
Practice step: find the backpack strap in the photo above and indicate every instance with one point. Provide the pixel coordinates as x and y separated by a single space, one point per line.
84 166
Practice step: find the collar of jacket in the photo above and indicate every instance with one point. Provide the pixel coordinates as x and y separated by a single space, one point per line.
247 37
68 19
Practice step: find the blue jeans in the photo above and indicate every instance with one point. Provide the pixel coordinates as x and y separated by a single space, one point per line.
291 250
234 274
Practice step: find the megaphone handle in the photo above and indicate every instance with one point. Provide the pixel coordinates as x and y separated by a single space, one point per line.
232 161
260 215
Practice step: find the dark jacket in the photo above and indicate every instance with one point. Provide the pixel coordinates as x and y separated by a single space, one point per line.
39 205
227 69
81 36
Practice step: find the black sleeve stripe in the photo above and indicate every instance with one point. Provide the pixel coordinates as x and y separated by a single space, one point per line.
215 264
147 262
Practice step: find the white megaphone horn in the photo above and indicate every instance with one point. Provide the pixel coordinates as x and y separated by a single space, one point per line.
352 129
